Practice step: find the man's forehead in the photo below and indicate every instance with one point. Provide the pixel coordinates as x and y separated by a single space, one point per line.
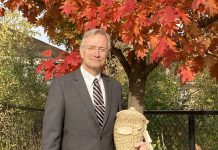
96 35
93 37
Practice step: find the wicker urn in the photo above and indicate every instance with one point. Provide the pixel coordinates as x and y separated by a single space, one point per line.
130 127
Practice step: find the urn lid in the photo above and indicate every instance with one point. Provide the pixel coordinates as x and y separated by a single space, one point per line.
131 113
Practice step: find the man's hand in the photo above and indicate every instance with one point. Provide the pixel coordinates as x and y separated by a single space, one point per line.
143 146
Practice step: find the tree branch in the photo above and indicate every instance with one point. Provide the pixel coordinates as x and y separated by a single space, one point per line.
118 53
150 67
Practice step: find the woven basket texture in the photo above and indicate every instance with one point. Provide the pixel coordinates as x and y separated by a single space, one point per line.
128 129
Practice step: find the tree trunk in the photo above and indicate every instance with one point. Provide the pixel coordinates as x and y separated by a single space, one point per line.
137 71
136 93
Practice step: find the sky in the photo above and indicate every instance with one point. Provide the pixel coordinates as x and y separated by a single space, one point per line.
43 37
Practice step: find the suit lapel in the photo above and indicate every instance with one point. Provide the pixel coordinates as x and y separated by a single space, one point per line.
108 97
80 85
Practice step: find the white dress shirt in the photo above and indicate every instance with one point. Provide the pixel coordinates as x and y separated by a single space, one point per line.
89 78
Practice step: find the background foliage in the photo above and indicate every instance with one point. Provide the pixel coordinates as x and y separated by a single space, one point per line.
19 86
164 92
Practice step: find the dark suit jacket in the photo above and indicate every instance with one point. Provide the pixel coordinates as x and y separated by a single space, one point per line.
70 121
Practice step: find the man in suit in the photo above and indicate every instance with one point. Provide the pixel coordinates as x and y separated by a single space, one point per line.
76 116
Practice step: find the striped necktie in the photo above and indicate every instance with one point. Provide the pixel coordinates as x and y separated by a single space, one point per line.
98 102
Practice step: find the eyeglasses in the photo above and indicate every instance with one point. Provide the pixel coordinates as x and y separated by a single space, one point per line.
92 48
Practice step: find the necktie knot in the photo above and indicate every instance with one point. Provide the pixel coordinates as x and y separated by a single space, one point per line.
95 81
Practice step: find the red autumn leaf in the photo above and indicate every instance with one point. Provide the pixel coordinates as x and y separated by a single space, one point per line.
188 48
90 24
73 59
186 74
197 63
101 12
104 25
142 53
126 38
196 3
48 75
90 12
118 15
184 16
108 3
161 46
39 68
64 68
12 5
68 7
167 16
128 24
211 5
153 56
47 53
136 31
171 44
142 19
2 11
48 64
72 69
58 69
169 57
153 41
129 6
56 75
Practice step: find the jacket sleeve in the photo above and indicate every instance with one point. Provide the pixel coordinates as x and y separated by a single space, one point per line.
53 118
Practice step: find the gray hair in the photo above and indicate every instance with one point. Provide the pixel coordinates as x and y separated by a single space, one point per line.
93 32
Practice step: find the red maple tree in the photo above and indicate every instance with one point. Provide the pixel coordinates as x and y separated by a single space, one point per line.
155 32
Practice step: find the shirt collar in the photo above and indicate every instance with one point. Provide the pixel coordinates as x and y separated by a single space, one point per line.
89 78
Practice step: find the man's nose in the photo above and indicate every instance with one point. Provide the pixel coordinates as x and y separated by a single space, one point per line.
97 52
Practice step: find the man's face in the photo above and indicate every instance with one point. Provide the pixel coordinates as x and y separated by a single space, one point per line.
94 53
